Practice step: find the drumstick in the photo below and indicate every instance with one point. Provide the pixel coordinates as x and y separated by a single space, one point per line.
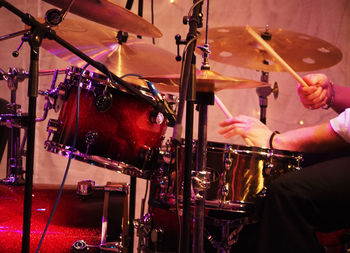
276 56
229 115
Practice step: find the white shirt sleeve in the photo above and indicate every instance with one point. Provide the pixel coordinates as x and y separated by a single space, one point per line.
341 124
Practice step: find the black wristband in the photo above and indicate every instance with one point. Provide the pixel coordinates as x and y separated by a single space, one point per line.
271 138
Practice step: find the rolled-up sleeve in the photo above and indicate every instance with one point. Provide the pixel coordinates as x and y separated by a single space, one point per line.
341 124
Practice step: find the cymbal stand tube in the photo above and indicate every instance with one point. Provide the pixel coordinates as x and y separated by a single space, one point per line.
187 92
263 93
203 100
200 167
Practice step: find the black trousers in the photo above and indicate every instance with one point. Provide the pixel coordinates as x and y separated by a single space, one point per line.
316 198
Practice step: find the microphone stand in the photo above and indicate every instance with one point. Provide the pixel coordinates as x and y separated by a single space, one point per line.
188 90
38 32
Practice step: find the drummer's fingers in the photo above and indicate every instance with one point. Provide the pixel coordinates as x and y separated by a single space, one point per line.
229 122
315 79
236 131
227 129
306 91
318 96
317 102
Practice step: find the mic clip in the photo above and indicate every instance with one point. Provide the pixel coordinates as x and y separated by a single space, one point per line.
162 105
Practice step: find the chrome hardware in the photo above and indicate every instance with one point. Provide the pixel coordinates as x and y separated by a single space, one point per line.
90 138
156 117
85 188
80 246
103 101
200 182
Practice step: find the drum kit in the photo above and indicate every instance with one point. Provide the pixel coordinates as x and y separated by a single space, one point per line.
116 118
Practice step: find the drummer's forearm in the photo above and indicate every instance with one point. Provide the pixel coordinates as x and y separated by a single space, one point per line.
315 139
341 99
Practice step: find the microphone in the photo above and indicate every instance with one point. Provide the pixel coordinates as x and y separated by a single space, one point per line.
162 104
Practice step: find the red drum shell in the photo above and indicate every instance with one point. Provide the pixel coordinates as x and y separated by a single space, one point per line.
122 130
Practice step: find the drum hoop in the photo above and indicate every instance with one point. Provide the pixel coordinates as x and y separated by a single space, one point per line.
252 150
107 163
91 79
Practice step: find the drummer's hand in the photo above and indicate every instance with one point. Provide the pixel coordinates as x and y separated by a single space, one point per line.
317 94
251 129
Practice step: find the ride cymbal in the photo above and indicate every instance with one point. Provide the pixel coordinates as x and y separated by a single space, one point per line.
235 46
109 14
100 43
209 81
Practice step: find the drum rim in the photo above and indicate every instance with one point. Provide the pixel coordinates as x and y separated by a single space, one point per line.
91 79
99 161
250 150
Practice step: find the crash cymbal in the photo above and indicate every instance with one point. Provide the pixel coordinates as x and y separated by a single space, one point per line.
207 80
161 87
110 14
100 43
235 46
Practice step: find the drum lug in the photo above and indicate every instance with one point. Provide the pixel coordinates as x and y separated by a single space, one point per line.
103 101
228 158
145 155
267 169
52 127
157 235
56 96
200 183
225 190
156 117
143 227
90 138
262 193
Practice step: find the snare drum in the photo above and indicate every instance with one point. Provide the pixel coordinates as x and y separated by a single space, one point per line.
238 174
117 130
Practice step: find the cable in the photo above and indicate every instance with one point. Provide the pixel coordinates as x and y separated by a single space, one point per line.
68 163
152 19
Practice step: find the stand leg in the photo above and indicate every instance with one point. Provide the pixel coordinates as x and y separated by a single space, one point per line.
130 243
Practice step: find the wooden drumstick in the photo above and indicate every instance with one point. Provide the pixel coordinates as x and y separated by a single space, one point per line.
272 52
229 115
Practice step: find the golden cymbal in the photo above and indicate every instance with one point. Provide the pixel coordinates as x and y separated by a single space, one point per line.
109 14
235 46
100 43
209 81
161 87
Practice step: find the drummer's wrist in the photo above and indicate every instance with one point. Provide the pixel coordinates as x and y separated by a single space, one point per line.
330 100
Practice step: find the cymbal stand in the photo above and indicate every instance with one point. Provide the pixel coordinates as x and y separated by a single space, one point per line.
187 92
264 92
14 172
